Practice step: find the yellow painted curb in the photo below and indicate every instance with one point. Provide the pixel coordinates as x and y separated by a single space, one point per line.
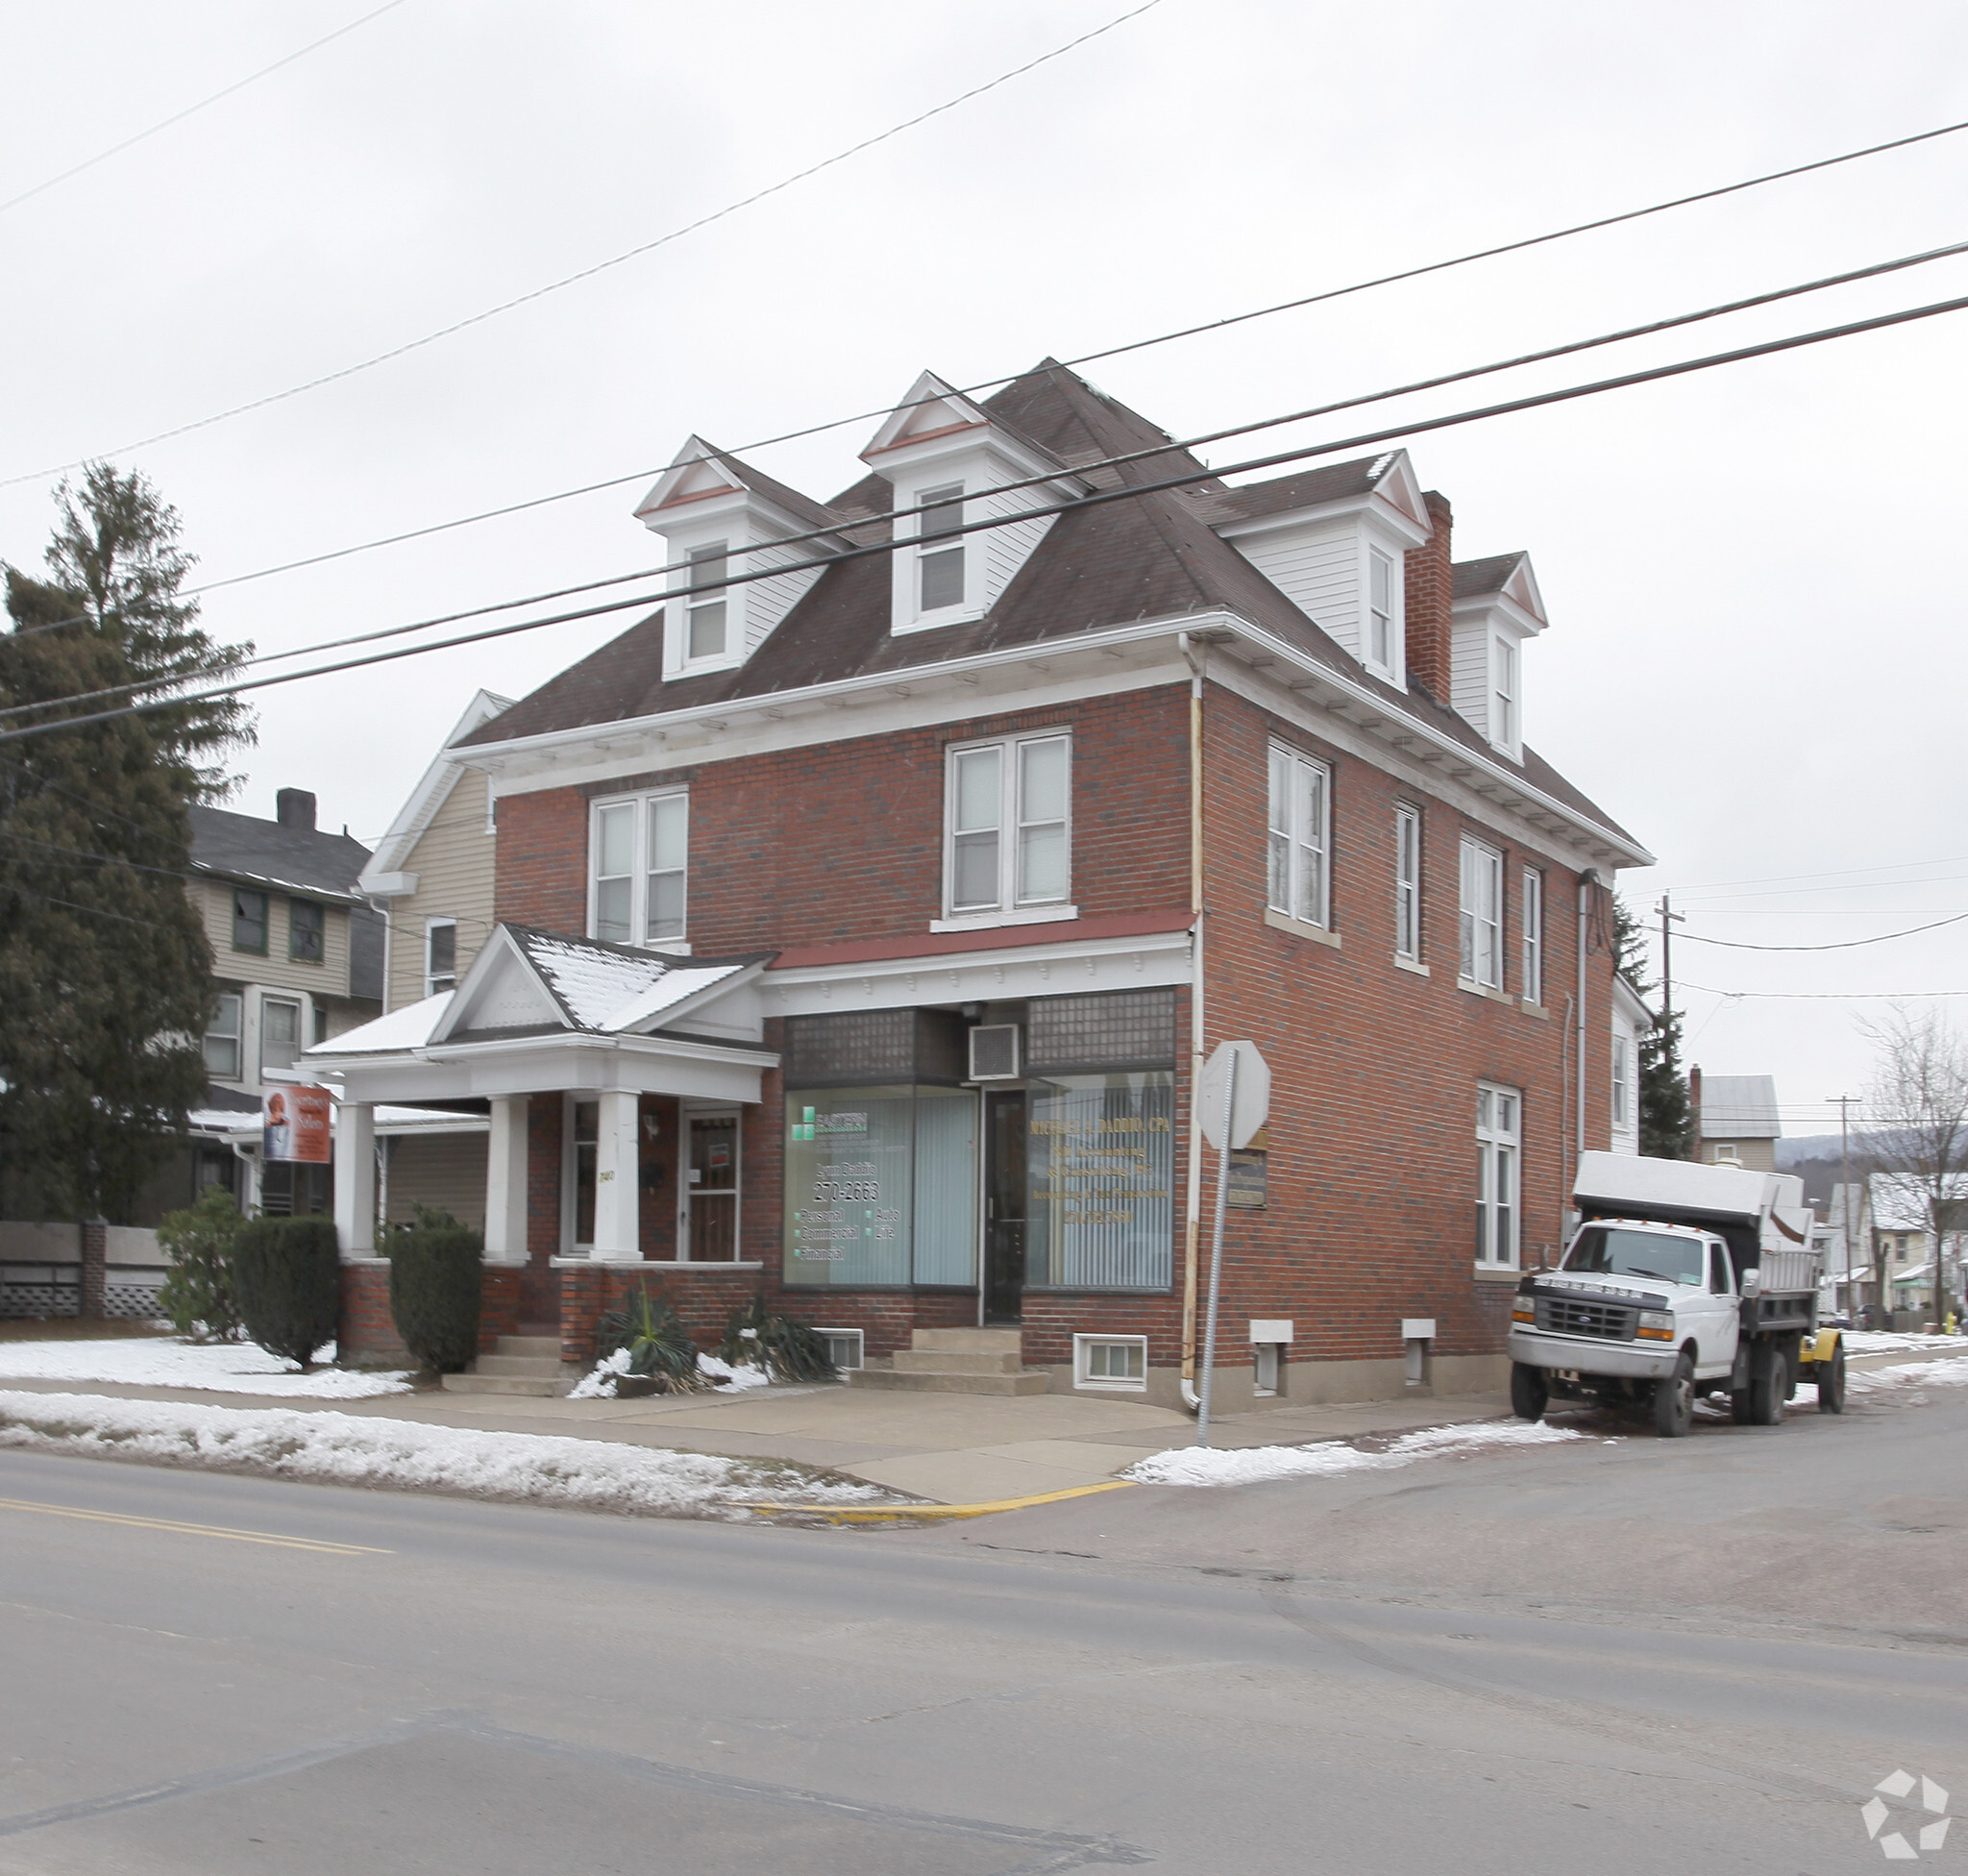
878 1514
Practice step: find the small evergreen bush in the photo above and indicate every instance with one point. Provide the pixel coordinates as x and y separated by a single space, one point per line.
785 1347
658 1344
288 1284
197 1292
436 1288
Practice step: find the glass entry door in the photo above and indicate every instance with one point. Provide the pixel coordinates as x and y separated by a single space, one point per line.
1004 1206
707 1219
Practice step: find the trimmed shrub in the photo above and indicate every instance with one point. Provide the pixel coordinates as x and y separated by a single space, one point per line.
658 1344
197 1292
436 1287
785 1347
288 1283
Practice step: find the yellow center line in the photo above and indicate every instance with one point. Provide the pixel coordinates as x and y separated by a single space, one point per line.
331 1548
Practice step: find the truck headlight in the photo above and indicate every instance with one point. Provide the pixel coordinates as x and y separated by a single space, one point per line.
1657 1326
1523 1310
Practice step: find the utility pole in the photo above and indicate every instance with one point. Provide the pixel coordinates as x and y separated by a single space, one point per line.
1845 1102
1669 918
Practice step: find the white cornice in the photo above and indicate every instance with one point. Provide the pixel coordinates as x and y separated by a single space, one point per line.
1106 658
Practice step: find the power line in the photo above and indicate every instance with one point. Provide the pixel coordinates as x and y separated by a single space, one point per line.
988 384
1842 872
99 859
1844 945
1825 996
1127 491
178 116
847 526
94 911
616 261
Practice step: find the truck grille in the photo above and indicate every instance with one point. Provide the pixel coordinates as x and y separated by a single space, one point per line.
1609 1321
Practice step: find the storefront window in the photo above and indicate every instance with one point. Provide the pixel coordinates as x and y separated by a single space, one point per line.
881 1186
1101 1162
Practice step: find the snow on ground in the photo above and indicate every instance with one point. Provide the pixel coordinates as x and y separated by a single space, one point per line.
171 1362
1908 1374
599 1382
1880 1342
331 1448
1327 1459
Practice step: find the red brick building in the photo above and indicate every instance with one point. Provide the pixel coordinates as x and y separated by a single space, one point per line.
869 910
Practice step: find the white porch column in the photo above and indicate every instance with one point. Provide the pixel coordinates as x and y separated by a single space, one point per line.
618 1199
355 1178
506 1182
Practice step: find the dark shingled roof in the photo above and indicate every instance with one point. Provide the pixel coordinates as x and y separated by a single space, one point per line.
1307 488
804 508
243 847
1473 578
1152 557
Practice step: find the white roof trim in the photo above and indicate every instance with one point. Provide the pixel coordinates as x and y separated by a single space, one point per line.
384 877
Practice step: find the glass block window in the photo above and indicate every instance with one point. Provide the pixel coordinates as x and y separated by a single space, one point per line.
1112 1029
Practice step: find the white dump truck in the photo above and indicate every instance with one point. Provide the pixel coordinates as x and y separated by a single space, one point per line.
1681 1280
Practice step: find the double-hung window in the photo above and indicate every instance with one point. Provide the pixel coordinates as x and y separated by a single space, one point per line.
249 921
307 930
1008 826
1380 609
440 955
1531 986
706 620
638 868
280 1033
1622 1084
940 556
1300 838
222 1039
1503 691
1481 892
1499 1140
1408 883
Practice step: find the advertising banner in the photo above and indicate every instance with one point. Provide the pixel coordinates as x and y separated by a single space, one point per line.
297 1124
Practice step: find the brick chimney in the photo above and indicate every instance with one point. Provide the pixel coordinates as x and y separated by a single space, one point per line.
294 807
1430 601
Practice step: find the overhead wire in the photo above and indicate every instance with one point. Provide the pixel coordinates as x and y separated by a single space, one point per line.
984 385
192 110
847 525
1843 945
458 326
1127 491
1822 996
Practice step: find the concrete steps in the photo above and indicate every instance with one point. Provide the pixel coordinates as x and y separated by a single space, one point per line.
958 1361
518 1365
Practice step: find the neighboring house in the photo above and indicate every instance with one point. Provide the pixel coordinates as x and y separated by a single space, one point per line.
861 929
1632 1020
432 873
1736 1119
298 957
1848 1275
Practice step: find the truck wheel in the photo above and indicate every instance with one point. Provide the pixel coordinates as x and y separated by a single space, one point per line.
1768 1384
1742 1406
1674 1400
1831 1382
1529 1396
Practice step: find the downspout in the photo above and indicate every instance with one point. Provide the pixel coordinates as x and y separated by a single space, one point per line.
1587 879
1194 1205
1567 1171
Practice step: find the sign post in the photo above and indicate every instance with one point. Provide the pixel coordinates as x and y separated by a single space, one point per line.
1235 1097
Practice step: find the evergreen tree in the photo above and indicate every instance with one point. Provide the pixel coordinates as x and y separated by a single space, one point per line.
105 973
1666 1111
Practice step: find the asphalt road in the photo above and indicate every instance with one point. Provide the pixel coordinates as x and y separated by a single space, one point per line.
1619 1652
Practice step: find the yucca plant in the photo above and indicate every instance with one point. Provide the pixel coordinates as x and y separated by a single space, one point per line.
787 1349
659 1346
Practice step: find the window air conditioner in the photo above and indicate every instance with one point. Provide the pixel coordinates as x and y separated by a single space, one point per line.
994 1053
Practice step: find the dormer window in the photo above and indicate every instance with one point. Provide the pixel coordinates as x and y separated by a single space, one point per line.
940 560
1380 609
1503 691
706 628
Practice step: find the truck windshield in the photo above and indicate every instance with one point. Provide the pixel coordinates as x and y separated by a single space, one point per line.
1606 1250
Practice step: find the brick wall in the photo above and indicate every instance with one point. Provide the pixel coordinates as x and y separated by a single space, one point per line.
367 1335
1429 583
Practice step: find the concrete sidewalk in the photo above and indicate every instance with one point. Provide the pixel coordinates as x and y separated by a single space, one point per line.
947 1448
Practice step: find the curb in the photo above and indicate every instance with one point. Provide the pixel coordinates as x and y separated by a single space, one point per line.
888 1513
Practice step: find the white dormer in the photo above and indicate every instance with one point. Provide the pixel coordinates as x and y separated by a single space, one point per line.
941 453
1498 607
1340 559
709 507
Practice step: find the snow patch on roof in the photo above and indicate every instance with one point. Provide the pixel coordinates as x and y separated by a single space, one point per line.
408 1027
592 982
674 987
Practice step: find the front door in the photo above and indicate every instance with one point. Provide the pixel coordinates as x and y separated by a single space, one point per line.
1004 1204
707 1221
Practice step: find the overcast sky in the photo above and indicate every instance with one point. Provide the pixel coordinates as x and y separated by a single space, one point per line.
1754 654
